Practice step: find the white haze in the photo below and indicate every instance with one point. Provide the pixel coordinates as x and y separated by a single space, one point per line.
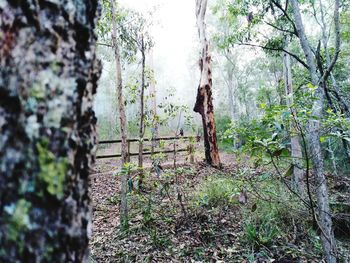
175 38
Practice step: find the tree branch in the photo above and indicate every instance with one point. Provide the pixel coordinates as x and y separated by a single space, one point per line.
279 50
337 43
281 29
104 44
284 11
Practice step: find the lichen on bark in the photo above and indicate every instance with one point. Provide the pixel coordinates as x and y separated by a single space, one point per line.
48 76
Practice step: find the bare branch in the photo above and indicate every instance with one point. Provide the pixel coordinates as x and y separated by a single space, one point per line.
279 50
281 29
104 44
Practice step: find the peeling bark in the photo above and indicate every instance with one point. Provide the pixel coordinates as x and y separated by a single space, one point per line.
48 76
204 102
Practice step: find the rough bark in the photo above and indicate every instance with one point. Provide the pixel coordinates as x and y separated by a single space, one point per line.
204 102
296 150
48 75
122 119
324 212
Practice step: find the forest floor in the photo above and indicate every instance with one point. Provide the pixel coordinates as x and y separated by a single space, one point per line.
201 214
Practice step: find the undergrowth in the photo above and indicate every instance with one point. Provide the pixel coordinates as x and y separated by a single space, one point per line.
203 214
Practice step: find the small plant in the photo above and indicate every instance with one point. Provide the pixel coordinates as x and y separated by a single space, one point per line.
267 223
261 234
126 170
184 170
216 192
157 160
159 240
147 212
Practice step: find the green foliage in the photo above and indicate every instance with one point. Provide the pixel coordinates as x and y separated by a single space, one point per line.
170 111
159 240
127 169
262 229
147 212
270 218
315 241
217 191
223 123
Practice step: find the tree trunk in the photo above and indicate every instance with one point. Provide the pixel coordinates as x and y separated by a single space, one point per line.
48 76
343 103
324 212
142 114
230 88
153 95
204 103
296 151
122 118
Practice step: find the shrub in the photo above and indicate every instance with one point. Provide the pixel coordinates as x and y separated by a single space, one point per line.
217 191
269 221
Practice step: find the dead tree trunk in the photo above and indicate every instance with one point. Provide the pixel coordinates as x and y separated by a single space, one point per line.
48 76
204 102
296 151
122 118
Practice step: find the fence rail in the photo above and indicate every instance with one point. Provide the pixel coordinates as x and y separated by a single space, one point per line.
189 149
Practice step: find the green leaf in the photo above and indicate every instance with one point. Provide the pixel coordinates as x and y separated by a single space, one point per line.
289 171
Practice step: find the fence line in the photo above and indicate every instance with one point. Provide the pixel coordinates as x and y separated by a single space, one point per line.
190 148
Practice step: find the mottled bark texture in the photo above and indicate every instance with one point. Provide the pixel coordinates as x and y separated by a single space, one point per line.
204 102
48 75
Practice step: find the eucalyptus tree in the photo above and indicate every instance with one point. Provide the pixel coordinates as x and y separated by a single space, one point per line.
204 102
122 117
108 30
327 236
48 78
138 40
